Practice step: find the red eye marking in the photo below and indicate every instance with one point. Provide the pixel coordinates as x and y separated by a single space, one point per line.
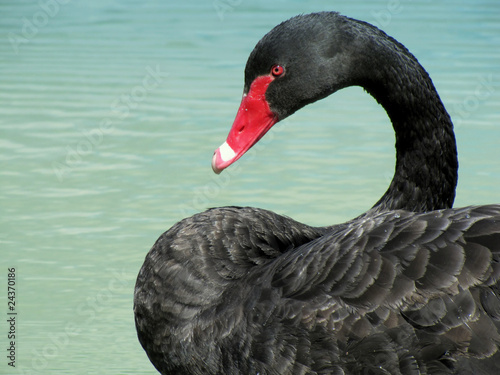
277 70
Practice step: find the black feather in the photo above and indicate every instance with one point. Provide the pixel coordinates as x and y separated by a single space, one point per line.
410 287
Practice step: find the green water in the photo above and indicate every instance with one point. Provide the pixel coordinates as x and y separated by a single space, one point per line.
110 112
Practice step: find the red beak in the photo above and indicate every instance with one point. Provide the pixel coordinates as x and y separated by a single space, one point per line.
253 120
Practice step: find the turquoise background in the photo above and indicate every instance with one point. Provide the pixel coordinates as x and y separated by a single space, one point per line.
109 115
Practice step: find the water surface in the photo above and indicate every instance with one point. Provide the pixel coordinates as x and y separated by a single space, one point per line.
110 112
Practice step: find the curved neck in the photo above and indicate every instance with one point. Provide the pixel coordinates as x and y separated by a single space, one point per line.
426 171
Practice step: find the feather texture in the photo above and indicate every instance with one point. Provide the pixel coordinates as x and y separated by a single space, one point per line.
336 302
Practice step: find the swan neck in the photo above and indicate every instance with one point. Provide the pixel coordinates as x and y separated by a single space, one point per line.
426 157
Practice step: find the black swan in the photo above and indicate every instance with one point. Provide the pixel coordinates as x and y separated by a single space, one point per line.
409 287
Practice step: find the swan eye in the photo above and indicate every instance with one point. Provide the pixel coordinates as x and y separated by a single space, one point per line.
277 70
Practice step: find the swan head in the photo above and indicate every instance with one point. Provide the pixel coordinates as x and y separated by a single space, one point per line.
300 61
